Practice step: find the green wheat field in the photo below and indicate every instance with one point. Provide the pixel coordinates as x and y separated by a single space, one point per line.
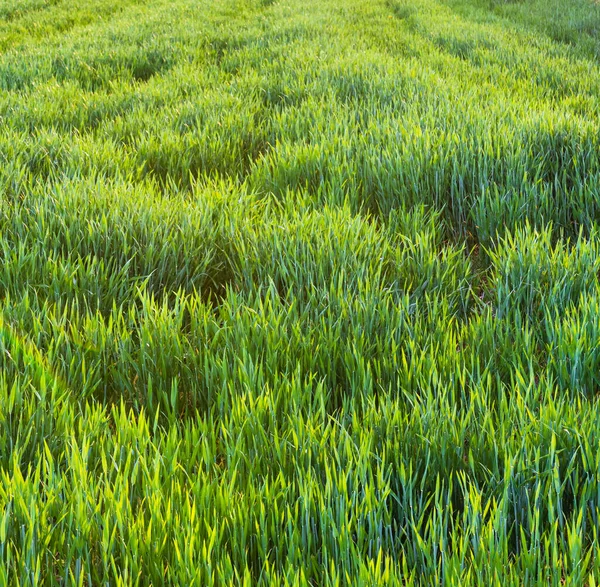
299 292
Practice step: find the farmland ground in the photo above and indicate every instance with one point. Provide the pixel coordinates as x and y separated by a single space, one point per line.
299 292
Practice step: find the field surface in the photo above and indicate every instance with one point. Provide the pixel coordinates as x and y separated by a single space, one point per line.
299 292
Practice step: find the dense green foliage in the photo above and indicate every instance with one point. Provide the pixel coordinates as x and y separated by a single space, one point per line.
299 292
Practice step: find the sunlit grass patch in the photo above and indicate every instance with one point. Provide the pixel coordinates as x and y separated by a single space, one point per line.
299 293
